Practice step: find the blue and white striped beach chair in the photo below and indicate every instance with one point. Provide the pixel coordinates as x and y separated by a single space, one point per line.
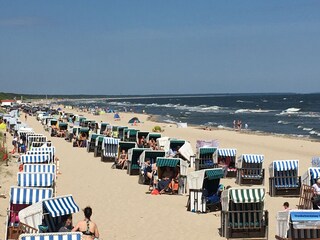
43 150
35 179
226 158
49 212
109 149
34 157
40 168
284 178
21 197
249 169
52 236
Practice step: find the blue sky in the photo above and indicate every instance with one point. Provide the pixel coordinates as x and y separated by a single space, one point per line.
149 47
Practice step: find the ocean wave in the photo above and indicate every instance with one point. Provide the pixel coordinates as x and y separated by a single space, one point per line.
313 132
290 111
283 122
252 111
307 129
241 101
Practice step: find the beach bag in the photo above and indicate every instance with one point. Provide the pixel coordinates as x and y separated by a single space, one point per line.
155 192
316 200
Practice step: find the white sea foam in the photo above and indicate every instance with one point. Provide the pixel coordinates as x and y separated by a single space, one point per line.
283 122
307 129
290 111
252 111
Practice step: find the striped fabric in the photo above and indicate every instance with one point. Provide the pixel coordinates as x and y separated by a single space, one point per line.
35 179
32 157
215 173
286 179
52 236
21 195
285 165
167 162
314 173
40 168
207 150
110 140
251 158
227 152
61 206
110 146
247 195
43 150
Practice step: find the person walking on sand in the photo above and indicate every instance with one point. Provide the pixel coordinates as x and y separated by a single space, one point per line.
25 117
88 228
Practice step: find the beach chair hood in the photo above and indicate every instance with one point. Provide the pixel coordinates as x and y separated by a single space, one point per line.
249 158
196 178
35 179
151 154
173 162
164 142
55 207
186 150
242 195
312 174
283 166
24 195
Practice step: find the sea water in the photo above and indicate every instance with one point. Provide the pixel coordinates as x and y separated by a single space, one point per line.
285 114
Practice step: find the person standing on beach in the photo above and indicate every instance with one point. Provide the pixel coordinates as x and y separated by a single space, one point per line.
88 228
25 116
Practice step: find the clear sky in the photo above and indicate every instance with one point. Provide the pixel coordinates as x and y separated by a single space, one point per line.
148 47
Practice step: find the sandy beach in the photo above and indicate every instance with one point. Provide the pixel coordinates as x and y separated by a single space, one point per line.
121 207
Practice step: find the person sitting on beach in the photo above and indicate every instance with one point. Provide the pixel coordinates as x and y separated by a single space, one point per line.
286 206
82 142
88 228
123 159
167 176
67 224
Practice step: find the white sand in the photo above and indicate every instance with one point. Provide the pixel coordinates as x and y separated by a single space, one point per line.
121 207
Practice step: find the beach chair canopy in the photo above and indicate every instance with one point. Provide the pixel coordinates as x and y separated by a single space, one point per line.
134 120
34 158
152 155
35 214
252 158
154 136
35 179
132 133
164 142
39 168
99 140
186 150
52 236
23 195
284 165
84 130
60 206
127 145
93 136
111 141
196 178
227 152
242 195
311 175
63 125
173 162
207 150
134 153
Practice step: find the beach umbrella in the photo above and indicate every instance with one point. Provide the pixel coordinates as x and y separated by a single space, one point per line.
134 120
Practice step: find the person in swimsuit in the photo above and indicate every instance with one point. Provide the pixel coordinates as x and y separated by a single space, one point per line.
88 228
123 158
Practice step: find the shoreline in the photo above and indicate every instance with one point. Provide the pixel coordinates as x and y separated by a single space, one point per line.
156 119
